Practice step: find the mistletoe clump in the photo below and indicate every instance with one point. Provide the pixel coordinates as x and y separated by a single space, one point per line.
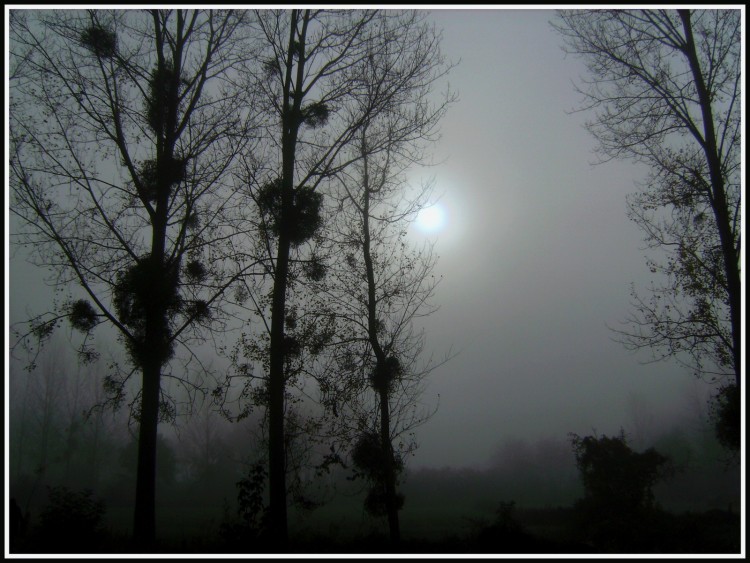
303 219
82 315
369 459
100 41
148 291
385 373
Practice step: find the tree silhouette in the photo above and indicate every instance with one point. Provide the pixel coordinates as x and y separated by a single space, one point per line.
317 85
370 380
123 127
618 488
382 285
665 88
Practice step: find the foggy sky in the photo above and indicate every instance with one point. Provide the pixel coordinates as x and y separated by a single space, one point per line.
537 256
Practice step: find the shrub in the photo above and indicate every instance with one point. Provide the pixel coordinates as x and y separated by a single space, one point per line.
618 504
71 520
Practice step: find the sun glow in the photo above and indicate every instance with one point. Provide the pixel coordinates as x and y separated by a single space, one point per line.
431 219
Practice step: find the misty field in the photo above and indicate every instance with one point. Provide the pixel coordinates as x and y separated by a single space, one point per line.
525 501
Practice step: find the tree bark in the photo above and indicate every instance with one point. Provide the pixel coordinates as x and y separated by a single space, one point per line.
276 387
145 488
391 504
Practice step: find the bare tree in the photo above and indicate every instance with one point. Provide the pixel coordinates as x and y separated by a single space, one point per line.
124 126
380 290
316 88
382 286
665 89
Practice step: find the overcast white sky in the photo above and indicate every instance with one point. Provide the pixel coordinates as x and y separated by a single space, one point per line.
537 255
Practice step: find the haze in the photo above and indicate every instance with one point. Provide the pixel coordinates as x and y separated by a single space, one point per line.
537 257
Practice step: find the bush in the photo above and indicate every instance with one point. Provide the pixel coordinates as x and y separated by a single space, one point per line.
248 527
618 509
71 521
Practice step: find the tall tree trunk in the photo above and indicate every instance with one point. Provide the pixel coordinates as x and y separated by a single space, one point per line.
145 489
391 504
152 355
153 350
276 391
381 366
290 122
719 201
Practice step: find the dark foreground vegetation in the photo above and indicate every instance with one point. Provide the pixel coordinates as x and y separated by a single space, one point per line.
604 498
538 531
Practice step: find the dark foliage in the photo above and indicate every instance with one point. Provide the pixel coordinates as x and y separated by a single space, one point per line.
250 496
155 180
314 270
515 530
727 417
304 218
100 41
315 114
250 526
195 271
618 507
292 346
377 498
145 289
385 374
82 315
368 457
164 84
616 475
198 310
71 521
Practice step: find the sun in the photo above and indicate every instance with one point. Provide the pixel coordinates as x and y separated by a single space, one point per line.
431 219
